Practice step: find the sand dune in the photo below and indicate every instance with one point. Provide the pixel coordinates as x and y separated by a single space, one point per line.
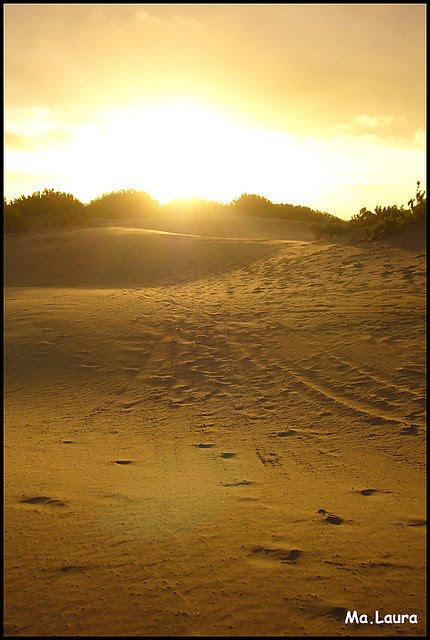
215 435
124 257
229 225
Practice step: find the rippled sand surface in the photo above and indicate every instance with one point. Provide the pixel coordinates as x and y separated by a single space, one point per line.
213 431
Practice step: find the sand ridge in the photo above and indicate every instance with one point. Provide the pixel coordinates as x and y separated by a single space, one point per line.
212 435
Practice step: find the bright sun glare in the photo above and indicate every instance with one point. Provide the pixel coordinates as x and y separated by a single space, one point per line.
180 149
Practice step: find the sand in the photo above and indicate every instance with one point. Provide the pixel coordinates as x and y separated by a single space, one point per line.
218 434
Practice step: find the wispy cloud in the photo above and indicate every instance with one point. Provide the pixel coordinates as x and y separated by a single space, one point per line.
364 121
144 16
383 127
372 122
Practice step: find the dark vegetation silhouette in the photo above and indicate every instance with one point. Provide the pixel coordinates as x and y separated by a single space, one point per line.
42 210
254 205
126 203
55 209
383 221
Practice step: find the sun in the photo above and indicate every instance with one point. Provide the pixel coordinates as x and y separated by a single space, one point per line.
182 149
171 150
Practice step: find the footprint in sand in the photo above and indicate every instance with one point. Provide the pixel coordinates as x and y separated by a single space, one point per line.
325 610
285 434
417 522
412 430
330 517
370 492
282 555
338 613
43 500
73 568
202 445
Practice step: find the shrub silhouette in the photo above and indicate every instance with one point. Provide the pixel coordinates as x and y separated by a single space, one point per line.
41 210
126 203
330 228
380 222
12 218
251 204
255 205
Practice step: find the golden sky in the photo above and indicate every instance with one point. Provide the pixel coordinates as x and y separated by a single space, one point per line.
314 104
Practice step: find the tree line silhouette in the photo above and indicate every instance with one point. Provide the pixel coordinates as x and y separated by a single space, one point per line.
55 209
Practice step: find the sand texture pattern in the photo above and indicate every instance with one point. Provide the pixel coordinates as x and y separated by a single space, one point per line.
213 432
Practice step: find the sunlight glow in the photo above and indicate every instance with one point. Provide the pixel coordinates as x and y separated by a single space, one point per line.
181 149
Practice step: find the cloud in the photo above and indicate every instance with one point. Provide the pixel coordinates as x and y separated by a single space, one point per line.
372 122
145 16
397 129
186 21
